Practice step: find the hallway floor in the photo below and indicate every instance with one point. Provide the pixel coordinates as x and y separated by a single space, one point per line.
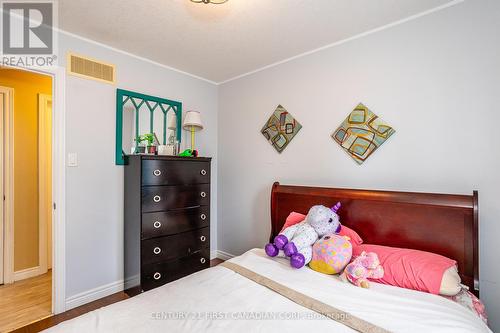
25 301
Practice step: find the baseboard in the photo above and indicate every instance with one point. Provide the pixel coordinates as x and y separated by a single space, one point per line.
224 255
93 294
117 286
131 282
27 273
213 254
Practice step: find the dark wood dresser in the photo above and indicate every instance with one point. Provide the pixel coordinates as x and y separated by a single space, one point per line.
167 219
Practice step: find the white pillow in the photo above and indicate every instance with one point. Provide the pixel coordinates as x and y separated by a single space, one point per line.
450 284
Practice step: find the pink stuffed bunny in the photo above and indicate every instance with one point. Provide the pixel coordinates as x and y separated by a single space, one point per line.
366 266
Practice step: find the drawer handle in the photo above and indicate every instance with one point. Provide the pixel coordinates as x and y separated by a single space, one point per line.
157 173
157 250
203 217
156 198
157 276
203 260
203 172
203 238
203 194
157 224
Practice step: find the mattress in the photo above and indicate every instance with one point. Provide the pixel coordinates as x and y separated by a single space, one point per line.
220 300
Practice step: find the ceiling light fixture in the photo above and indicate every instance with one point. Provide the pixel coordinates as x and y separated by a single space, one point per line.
215 2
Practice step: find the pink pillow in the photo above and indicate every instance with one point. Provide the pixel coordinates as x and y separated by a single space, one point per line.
295 218
353 235
411 269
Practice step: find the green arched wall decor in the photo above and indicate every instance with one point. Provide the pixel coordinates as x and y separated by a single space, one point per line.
152 103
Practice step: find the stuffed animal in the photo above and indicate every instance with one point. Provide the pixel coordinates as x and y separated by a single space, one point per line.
331 254
189 153
366 266
297 240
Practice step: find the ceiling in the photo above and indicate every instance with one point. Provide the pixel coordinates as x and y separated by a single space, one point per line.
220 42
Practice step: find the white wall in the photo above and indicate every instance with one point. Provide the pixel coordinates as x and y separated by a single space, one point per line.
435 79
94 189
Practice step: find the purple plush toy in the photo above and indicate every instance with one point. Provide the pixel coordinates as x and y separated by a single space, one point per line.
297 240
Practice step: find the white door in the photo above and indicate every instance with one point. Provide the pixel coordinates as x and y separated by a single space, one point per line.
49 197
45 180
6 204
2 108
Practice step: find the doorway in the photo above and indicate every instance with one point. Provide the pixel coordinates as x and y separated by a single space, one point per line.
26 183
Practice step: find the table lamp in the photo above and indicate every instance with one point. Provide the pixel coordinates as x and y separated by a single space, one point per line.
172 125
192 122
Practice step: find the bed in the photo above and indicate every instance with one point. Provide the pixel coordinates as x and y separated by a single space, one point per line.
218 299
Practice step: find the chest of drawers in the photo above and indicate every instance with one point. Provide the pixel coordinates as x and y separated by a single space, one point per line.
167 219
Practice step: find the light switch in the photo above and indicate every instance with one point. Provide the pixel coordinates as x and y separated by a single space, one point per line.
72 159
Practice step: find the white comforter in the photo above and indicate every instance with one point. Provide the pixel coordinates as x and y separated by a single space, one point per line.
219 300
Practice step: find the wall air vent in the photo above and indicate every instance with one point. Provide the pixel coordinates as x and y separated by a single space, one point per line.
90 68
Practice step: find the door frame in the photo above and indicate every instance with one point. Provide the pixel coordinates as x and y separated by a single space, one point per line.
2 102
2 112
8 186
43 145
58 75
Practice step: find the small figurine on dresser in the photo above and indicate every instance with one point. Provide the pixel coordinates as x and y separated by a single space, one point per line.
297 240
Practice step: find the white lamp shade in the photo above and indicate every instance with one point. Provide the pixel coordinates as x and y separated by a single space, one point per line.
172 122
193 120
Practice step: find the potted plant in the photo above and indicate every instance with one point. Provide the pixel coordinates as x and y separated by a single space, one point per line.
150 138
140 149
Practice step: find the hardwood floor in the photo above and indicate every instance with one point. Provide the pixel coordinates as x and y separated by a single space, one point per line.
54 320
25 301
215 262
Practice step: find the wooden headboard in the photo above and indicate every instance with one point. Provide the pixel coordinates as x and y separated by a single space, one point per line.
441 223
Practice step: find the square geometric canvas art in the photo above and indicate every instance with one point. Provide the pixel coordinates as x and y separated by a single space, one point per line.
280 129
362 133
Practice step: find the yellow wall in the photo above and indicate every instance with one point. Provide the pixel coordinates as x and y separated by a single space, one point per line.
26 87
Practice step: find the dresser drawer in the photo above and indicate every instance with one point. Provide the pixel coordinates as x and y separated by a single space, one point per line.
158 172
174 222
155 275
160 198
172 247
